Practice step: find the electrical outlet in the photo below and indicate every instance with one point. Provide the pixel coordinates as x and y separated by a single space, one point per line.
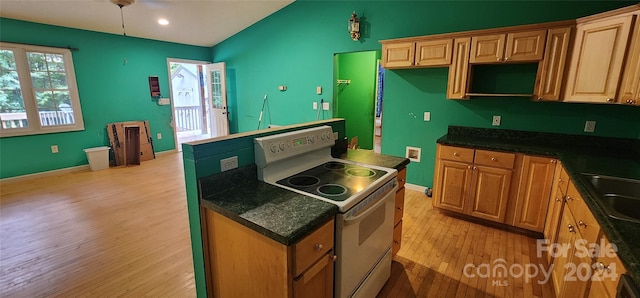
54 148
228 163
325 106
496 121
589 126
159 136
427 116
315 105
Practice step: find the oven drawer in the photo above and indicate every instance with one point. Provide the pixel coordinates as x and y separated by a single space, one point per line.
312 247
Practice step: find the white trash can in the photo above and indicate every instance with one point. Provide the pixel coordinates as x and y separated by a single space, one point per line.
98 158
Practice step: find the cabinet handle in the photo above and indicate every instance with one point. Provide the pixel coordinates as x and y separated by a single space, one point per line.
539 97
469 167
559 199
456 154
581 223
601 266
552 161
499 59
494 159
572 229
506 58
568 198
609 99
560 180
335 258
396 241
318 247
475 168
399 208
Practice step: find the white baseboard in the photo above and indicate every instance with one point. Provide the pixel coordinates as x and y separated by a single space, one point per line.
415 187
67 170
46 173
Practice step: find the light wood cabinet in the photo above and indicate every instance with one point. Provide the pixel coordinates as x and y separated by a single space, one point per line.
534 192
607 271
551 69
398 55
458 83
241 262
630 88
479 188
597 59
433 52
508 47
556 205
399 212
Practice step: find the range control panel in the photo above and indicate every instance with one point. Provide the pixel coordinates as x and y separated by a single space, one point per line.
286 145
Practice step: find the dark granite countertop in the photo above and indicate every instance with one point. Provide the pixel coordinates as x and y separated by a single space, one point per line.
376 159
578 154
282 215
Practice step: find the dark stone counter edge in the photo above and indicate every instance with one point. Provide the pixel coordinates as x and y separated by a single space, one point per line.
625 251
296 236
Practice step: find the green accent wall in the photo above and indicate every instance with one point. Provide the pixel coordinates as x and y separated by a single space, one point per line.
112 75
355 102
295 46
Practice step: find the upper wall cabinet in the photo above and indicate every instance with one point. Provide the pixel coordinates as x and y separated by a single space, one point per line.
630 88
398 55
598 59
510 47
426 53
551 67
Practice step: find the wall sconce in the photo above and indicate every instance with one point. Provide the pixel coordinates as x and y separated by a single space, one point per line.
354 26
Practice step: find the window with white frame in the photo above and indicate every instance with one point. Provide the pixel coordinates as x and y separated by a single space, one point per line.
38 92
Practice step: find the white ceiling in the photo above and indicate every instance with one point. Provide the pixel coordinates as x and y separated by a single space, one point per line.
193 22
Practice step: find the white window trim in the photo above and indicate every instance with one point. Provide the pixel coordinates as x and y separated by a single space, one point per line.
28 94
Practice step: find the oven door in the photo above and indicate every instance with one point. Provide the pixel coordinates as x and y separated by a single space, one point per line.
362 239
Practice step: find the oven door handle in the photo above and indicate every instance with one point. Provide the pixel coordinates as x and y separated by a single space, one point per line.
350 221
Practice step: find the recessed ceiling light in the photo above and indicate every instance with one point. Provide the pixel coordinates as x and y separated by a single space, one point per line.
163 22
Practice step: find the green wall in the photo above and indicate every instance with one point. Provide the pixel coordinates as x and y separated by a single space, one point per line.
355 101
295 46
110 91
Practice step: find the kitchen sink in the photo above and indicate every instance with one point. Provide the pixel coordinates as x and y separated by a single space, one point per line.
620 197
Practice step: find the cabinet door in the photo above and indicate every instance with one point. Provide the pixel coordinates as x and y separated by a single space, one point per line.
552 221
551 68
490 193
578 274
317 281
452 185
534 191
398 55
397 239
525 46
487 48
596 61
434 52
566 235
630 88
458 83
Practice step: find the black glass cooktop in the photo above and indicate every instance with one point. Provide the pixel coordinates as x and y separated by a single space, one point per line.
333 180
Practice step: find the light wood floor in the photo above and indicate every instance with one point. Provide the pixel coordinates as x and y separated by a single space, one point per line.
117 232
124 232
436 248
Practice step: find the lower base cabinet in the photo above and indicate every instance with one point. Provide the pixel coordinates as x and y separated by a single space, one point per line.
241 262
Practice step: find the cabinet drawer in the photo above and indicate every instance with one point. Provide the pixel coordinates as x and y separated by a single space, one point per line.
312 247
456 154
397 239
399 210
608 269
402 178
584 220
495 159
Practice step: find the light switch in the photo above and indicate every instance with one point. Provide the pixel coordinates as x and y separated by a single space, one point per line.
427 116
319 90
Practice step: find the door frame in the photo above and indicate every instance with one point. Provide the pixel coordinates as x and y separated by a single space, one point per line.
171 97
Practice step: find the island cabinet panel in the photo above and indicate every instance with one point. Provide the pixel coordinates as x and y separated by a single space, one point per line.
398 55
596 62
240 262
534 192
551 68
458 83
434 52
556 205
399 212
